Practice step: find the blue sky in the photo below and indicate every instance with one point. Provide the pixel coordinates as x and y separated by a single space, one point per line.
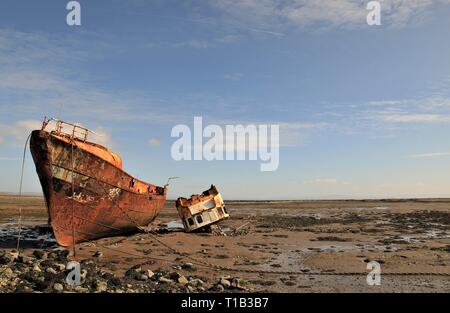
364 110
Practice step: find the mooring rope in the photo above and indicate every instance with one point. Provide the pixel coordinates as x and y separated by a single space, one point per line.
19 223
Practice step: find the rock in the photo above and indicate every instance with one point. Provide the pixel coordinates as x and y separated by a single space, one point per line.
7 273
189 267
37 268
5 258
40 255
24 259
58 287
23 288
225 283
50 270
52 255
100 286
14 254
175 276
164 280
98 254
219 288
182 280
83 273
63 254
59 267
196 282
46 263
133 272
114 281
142 277
80 289
149 273
20 267
9 257
239 283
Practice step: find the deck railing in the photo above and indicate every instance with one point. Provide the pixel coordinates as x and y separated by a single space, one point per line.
63 128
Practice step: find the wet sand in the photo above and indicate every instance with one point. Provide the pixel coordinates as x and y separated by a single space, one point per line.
324 245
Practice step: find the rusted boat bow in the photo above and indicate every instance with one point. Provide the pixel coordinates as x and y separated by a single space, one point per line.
88 194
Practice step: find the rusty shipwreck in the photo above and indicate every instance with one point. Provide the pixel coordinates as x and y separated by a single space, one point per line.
201 211
87 193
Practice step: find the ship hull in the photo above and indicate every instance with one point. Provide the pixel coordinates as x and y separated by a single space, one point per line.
88 197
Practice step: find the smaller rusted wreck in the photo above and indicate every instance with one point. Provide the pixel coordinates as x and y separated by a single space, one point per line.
201 211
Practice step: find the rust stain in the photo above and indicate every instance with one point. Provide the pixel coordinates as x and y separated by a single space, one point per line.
202 210
107 201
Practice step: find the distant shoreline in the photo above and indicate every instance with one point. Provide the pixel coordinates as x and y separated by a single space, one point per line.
418 199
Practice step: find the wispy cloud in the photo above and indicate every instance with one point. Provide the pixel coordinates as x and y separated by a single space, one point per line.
19 130
430 155
417 118
324 181
233 76
213 42
279 15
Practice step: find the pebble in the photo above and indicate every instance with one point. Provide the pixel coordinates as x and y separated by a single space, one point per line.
58 287
59 267
162 279
142 277
149 273
219 288
83 273
182 280
40 255
98 254
50 270
239 283
133 272
196 282
100 286
225 283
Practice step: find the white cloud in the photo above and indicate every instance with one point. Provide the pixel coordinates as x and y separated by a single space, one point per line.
194 43
154 142
20 130
30 80
203 43
416 118
325 181
430 155
101 136
26 48
280 14
233 76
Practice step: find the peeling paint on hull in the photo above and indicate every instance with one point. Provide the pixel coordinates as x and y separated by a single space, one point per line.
104 201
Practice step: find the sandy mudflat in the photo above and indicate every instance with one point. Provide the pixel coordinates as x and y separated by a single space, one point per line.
302 237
